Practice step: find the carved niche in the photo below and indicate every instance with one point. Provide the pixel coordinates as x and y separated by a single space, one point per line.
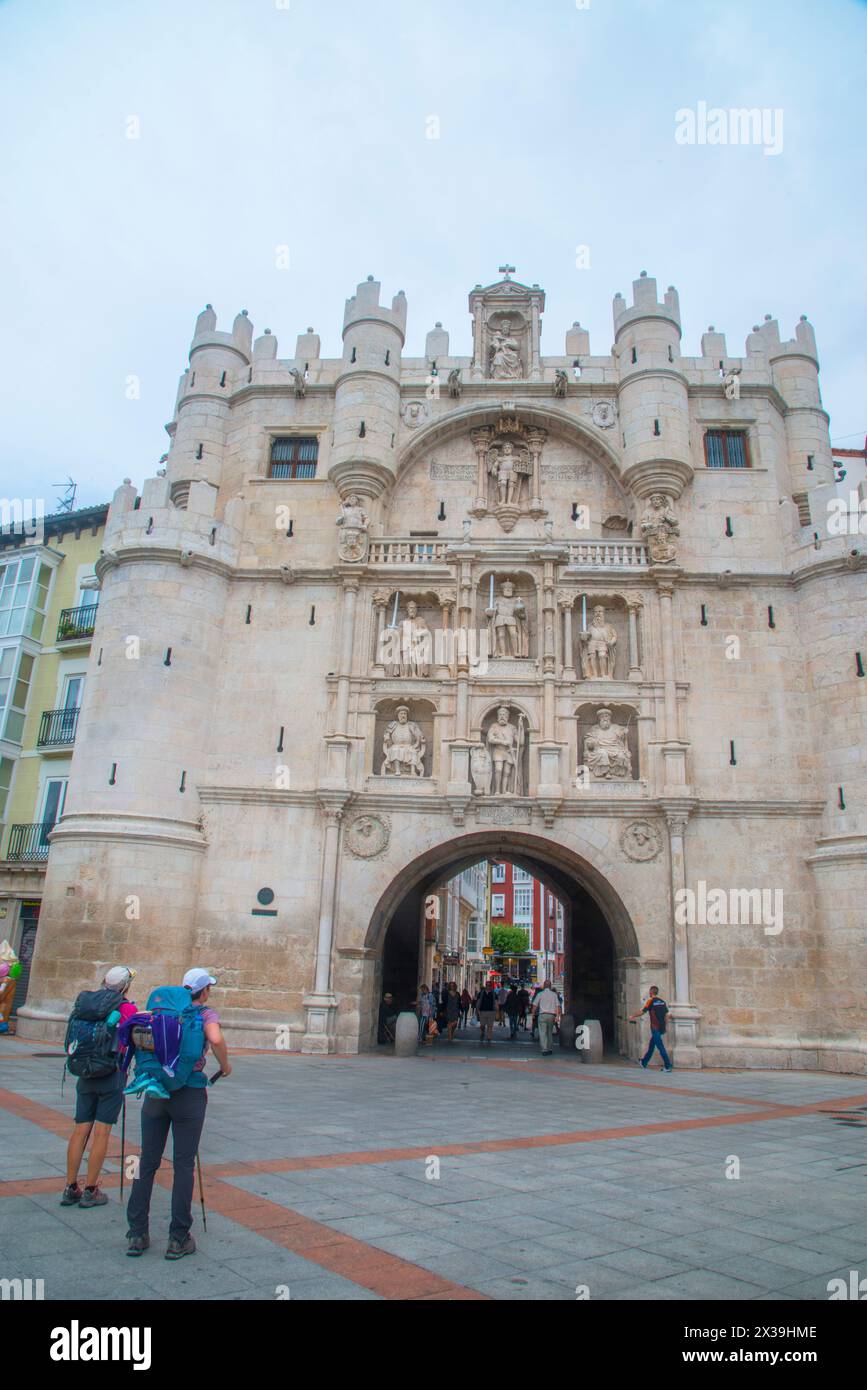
506 330
607 747
507 605
403 739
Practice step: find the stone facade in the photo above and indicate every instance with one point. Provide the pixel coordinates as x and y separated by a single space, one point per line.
258 636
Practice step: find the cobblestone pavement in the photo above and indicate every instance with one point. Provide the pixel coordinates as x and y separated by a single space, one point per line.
462 1173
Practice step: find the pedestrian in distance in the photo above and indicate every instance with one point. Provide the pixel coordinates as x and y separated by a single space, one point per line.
452 1009
387 1019
93 1057
466 1005
180 1026
657 1009
546 1012
512 1010
486 1007
424 1007
523 1006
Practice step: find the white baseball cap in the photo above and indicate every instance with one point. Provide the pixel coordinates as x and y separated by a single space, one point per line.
198 979
119 976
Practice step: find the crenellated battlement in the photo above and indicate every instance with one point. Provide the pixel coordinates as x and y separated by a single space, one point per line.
364 306
160 518
646 304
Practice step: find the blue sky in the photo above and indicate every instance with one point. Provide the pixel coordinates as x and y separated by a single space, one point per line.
304 124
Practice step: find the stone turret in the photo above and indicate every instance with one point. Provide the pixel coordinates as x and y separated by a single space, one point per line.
367 394
654 413
219 362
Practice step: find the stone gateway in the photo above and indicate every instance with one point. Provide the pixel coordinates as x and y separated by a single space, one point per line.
584 561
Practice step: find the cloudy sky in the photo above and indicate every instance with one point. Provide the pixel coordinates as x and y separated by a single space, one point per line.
307 124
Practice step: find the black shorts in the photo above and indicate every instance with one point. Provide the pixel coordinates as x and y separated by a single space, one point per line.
99 1099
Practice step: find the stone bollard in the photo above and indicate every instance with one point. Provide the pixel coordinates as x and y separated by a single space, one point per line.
567 1031
406 1035
593 1051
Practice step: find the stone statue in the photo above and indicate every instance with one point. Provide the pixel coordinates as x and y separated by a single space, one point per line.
606 752
298 382
403 747
509 469
454 382
506 747
598 645
507 624
352 545
481 769
561 382
416 643
505 355
659 527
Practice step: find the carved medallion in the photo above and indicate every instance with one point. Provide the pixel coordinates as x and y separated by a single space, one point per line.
604 414
368 836
414 413
641 840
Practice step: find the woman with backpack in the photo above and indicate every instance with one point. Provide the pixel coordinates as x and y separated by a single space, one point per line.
92 1057
182 1026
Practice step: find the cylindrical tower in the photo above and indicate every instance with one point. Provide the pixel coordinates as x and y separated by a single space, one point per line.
795 373
219 362
367 393
652 395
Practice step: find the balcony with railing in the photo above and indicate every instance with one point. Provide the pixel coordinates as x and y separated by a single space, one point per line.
77 624
28 844
407 552
57 727
617 555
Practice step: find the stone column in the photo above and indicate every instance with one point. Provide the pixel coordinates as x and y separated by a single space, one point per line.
478 369
321 1003
444 667
481 442
567 603
673 748
634 605
379 598
535 368
347 634
535 441
685 1016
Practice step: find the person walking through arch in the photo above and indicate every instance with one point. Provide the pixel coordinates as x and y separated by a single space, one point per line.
658 1010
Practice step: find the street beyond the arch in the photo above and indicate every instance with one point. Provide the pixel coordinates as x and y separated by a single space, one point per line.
464 1173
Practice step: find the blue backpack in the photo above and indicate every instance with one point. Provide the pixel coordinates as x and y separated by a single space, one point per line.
168 1040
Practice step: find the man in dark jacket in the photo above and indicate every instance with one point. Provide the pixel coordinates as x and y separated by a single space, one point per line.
512 1009
486 1007
657 1009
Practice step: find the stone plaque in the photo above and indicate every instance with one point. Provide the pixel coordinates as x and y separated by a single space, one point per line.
452 472
565 472
504 815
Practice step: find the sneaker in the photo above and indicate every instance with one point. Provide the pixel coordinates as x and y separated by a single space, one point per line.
643 1066
136 1087
668 1068
157 1091
178 1248
71 1195
92 1197
137 1245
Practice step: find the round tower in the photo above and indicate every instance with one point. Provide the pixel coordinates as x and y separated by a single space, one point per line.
367 393
795 373
219 362
652 395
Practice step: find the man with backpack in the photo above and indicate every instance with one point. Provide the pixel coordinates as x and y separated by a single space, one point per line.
92 1057
170 1042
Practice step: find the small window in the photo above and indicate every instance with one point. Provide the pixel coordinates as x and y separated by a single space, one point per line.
726 449
498 904
294 457
499 874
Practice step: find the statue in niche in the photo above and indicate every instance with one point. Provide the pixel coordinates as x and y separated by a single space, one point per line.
606 751
505 356
481 769
659 527
509 469
507 624
416 643
598 648
506 749
403 747
352 545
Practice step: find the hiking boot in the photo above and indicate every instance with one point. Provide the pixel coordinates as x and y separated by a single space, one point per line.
92 1197
137 1245
71 1195
177 1249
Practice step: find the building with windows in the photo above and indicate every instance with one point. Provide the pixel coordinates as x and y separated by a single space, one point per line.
389 614
48 604
523 901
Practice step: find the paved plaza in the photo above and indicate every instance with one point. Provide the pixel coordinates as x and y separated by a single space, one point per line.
461 1174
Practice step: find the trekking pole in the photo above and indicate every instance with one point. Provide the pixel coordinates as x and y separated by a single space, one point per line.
201 1191
122 1144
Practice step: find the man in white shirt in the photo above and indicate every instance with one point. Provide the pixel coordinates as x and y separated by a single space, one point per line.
546 1008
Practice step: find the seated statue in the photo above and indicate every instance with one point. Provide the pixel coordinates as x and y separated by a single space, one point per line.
606 751
403 747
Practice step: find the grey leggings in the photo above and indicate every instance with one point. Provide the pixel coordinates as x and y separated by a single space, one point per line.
184 1114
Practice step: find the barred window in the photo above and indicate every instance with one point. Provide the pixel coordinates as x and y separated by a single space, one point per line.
726 449
294 457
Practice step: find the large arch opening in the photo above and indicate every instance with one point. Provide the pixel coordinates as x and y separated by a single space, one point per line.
600 947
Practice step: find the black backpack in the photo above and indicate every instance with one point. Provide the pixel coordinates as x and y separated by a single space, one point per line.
90 1045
